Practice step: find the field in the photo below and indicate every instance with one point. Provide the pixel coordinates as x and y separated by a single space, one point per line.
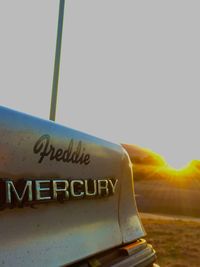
175 241
161 197
171 217
168 202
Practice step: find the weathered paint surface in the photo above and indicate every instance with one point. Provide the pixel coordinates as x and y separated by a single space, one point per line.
53 234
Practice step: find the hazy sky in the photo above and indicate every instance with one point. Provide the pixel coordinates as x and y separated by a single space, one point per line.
129 70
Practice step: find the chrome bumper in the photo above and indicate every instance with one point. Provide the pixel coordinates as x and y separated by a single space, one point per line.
136 254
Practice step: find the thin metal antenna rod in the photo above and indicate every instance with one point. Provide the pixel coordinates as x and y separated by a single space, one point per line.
52 115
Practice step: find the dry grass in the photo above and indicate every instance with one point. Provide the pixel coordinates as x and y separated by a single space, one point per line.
177 242
165 198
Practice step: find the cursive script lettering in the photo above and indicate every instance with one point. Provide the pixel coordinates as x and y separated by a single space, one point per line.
77 155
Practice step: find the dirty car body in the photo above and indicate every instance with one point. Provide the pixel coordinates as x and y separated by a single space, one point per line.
67 198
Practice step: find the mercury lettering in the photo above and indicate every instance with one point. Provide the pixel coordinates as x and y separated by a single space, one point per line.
43 190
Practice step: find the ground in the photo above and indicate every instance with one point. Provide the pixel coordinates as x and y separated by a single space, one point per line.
175 241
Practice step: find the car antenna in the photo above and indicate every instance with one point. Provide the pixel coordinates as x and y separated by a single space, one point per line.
52 115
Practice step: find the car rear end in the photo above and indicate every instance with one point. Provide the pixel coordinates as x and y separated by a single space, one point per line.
67 198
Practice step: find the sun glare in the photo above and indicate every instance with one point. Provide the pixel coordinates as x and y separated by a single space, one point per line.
176 165
178 171
176 168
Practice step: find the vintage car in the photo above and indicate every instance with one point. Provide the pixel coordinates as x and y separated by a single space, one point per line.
67 198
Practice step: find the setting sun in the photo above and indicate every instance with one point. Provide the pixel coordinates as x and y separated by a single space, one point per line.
180 172
151 165
176 165
176 170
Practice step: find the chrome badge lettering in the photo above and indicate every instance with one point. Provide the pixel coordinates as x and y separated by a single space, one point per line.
71 154
33 191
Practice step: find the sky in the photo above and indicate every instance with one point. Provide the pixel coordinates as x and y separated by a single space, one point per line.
129 69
